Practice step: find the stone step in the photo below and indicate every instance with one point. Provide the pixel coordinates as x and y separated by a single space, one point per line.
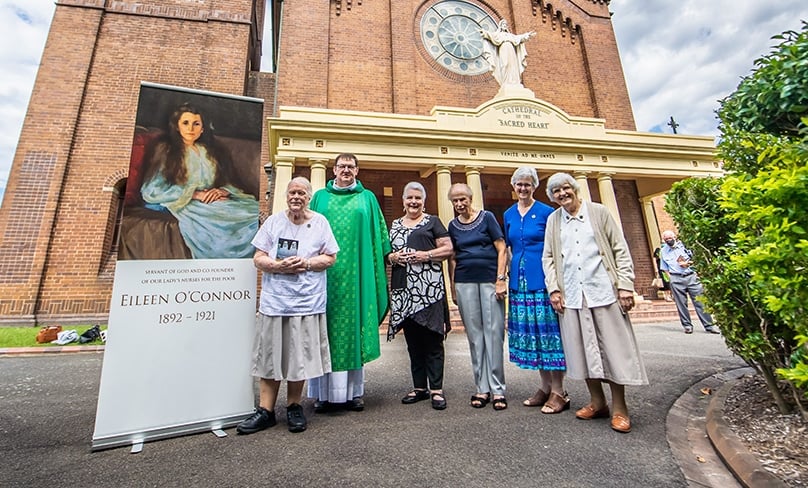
646 311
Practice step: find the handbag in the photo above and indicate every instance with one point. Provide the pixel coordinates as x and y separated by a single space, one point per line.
657 283
48 334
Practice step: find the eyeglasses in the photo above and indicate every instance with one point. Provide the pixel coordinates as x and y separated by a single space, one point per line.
561 188
341 167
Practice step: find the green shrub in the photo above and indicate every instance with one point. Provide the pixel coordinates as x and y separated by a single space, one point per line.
749 229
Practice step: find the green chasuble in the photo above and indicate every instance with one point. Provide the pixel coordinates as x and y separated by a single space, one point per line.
357 283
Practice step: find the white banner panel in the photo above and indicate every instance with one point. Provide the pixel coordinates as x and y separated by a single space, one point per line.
178 350
182 313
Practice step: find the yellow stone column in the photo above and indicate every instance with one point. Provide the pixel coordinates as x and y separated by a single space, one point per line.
580 177
607 196
284 166
319 168
473 181
445 214
445 209
651 223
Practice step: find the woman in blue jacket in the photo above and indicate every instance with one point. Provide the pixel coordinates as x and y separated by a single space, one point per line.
534 339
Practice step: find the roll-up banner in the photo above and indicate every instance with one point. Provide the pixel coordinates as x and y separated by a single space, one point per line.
182 315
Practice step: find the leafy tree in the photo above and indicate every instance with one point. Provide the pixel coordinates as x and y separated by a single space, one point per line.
750 228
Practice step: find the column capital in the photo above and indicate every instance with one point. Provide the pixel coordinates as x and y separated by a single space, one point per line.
476 185
283 161
607 196
438 168
581 178
319 170
605 175
319 162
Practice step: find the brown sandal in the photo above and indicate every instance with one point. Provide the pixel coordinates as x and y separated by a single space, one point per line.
556 404
537 400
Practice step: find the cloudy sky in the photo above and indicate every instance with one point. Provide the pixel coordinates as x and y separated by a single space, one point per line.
679 57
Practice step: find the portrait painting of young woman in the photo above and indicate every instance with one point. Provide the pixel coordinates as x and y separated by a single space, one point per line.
192 190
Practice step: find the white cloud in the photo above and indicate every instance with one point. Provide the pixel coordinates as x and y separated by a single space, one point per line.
679 57
24 25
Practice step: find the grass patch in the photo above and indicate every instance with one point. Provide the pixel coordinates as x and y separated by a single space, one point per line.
26 336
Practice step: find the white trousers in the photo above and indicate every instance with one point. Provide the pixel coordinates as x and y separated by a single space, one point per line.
338 387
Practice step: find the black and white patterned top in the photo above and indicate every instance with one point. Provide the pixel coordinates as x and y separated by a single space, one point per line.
417 290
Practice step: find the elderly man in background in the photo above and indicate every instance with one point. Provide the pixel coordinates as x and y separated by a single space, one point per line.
675 260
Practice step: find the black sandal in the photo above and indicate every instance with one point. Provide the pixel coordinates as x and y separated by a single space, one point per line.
414 396
480 400
500 403
438 403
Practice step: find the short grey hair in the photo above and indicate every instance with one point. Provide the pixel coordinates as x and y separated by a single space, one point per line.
525 172
301 180
414 185
461 186
560 179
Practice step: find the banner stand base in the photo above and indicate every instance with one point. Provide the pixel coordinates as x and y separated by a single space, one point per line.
136 439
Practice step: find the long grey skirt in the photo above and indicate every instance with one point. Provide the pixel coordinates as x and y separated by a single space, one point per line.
291 348
599 343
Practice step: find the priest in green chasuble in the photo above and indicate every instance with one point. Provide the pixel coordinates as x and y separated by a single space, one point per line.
357 286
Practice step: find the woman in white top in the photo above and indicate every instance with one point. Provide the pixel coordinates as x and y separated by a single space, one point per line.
590 278
293 250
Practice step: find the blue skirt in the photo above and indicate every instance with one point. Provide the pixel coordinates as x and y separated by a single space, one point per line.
534 339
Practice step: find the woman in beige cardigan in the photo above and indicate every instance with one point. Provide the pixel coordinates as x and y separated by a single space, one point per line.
590 279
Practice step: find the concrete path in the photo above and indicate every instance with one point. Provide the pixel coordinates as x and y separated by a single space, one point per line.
48 401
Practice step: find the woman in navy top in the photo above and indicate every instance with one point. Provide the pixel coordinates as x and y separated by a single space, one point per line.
477 274
534 339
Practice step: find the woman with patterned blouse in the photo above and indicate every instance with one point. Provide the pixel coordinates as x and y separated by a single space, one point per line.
418 294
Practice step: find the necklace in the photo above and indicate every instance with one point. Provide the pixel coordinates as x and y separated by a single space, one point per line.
297 226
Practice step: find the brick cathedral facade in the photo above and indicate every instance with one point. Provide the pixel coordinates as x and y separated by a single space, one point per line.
58 218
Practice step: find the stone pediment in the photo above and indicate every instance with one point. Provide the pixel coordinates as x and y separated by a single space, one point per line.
518 116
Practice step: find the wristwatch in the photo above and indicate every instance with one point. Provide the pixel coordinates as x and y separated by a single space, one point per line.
502 277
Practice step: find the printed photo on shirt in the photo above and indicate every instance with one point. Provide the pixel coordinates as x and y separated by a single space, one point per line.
286 248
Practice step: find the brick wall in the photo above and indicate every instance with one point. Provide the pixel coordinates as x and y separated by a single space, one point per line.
628 201
75 143
262 85
368 57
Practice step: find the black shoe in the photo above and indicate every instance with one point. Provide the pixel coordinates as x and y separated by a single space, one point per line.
321 406
295 418
438 403
688 330
414 396
711 329
260 420
91 334
355 405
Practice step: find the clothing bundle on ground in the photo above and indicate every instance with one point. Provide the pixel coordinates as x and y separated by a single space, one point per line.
66 337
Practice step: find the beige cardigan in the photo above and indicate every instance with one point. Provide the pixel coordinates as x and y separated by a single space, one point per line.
611 244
